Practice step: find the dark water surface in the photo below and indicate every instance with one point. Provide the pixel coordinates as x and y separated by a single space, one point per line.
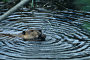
65 40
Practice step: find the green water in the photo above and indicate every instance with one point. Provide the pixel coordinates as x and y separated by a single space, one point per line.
87 25
5 0
82 4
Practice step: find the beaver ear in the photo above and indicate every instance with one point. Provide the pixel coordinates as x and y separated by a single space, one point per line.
40 30
23 32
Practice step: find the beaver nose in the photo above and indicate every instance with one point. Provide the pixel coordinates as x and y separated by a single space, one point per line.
42 37
39 36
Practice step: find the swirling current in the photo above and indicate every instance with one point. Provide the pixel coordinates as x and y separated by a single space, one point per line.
65 40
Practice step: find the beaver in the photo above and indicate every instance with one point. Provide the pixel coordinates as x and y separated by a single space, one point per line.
28 35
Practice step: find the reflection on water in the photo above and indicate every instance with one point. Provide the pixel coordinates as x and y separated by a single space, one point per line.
65 37
82 5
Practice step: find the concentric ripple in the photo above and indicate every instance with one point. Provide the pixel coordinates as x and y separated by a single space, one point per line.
65 39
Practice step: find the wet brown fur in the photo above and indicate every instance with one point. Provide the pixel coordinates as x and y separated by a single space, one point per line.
31 34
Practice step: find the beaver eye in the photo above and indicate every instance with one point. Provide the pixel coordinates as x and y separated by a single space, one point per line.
31 31
23 32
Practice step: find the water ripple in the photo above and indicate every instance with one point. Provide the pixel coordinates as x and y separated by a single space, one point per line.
64 39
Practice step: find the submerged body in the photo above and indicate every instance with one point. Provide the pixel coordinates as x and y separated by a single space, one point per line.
29 35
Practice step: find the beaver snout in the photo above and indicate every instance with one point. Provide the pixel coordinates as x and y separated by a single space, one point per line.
42 37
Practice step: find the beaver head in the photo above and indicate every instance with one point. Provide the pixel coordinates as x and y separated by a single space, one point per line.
32 34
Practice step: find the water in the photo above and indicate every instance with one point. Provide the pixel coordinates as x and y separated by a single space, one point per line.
65 40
